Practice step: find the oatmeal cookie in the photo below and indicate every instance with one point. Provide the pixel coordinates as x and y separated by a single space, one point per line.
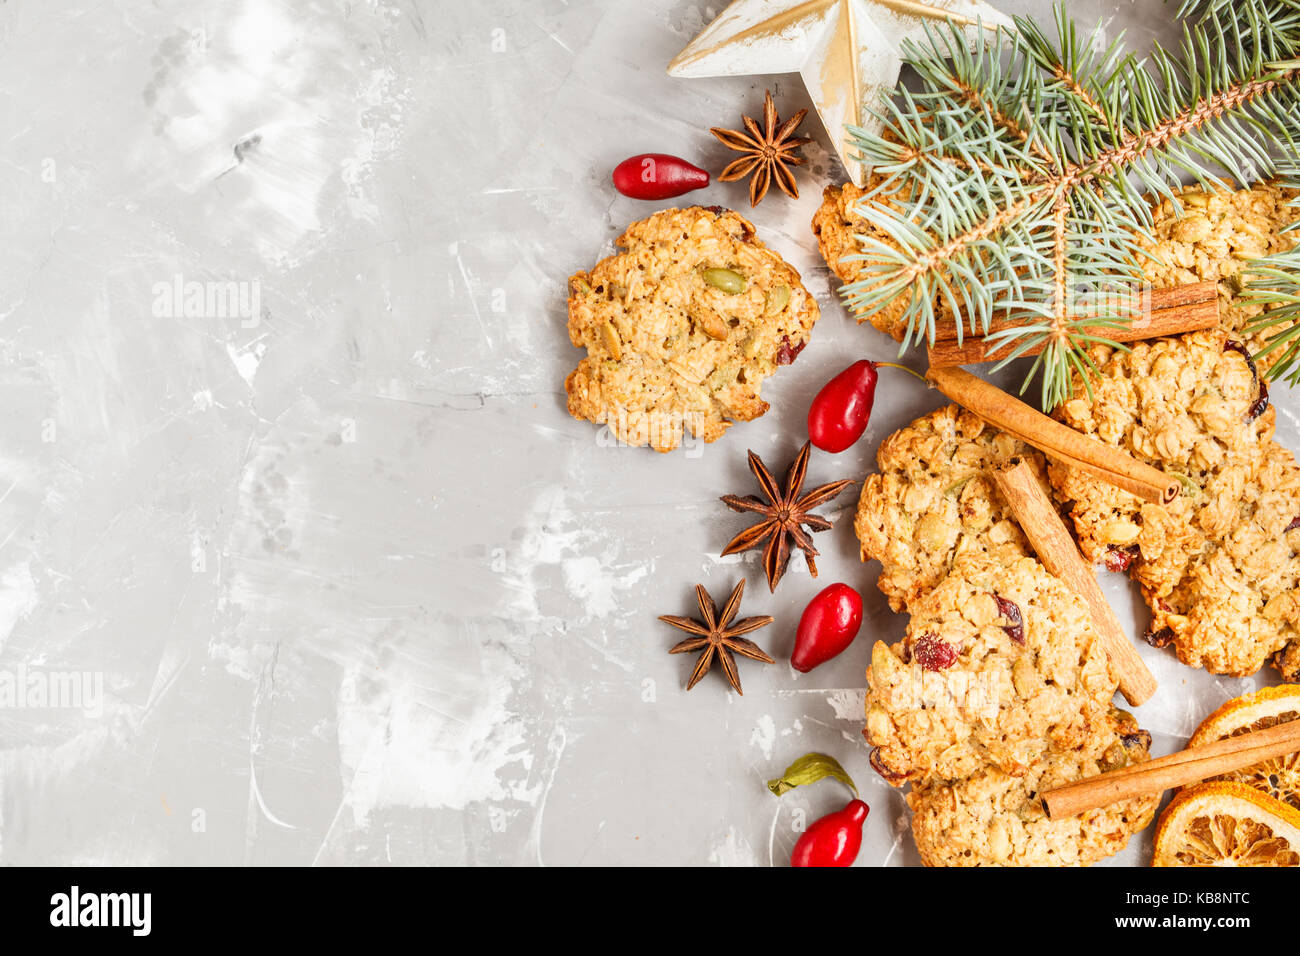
1213 237
1187 405
682 327
836 225
992 818
935 500
1237 604
1215 566
1000 665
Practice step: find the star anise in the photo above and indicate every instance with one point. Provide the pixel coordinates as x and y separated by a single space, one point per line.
785 512
769 152
714 638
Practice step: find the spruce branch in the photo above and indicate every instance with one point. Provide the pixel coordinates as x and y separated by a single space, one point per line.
1273 283
1265 29
1021 182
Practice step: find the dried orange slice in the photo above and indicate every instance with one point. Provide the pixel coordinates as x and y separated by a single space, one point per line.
1278 777
1223 823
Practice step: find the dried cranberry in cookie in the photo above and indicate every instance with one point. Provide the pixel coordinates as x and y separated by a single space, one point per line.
1218 566
682 327
1237 605
988 676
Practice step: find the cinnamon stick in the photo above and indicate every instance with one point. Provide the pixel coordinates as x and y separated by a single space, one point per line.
1060 555
1054 439
1160 312
1176 770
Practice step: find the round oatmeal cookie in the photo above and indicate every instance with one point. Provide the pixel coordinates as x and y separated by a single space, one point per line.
1237 605
1216 566
1212 237
682 327
935 500
1000 665
1190 406
837 223
992 818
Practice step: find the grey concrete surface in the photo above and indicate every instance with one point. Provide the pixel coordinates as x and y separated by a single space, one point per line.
302 560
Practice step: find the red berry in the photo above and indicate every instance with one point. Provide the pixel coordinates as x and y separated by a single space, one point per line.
657 176
840 412
1118 559
829 624
1011 611
834 840
1160 638
934 654
787 353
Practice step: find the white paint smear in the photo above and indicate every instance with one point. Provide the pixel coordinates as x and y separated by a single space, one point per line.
764 735
407 748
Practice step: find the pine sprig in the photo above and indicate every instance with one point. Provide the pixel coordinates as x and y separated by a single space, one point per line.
1270 30
1267 29
1273 282
1021 181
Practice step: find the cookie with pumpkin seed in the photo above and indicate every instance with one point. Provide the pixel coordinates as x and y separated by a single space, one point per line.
993 818
1189 405
1217 566
682 327
934 500
1000 665
1211 235
1236 605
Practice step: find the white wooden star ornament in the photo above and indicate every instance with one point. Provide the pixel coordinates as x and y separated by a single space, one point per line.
847 51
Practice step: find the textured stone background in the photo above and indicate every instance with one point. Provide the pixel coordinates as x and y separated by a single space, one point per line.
355 586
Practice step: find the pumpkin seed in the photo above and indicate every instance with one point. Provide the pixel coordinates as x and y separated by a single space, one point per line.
1109 762
953 490
612 340
725 280
777 299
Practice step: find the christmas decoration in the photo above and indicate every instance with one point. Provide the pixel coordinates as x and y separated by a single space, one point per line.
1033 173
848 52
